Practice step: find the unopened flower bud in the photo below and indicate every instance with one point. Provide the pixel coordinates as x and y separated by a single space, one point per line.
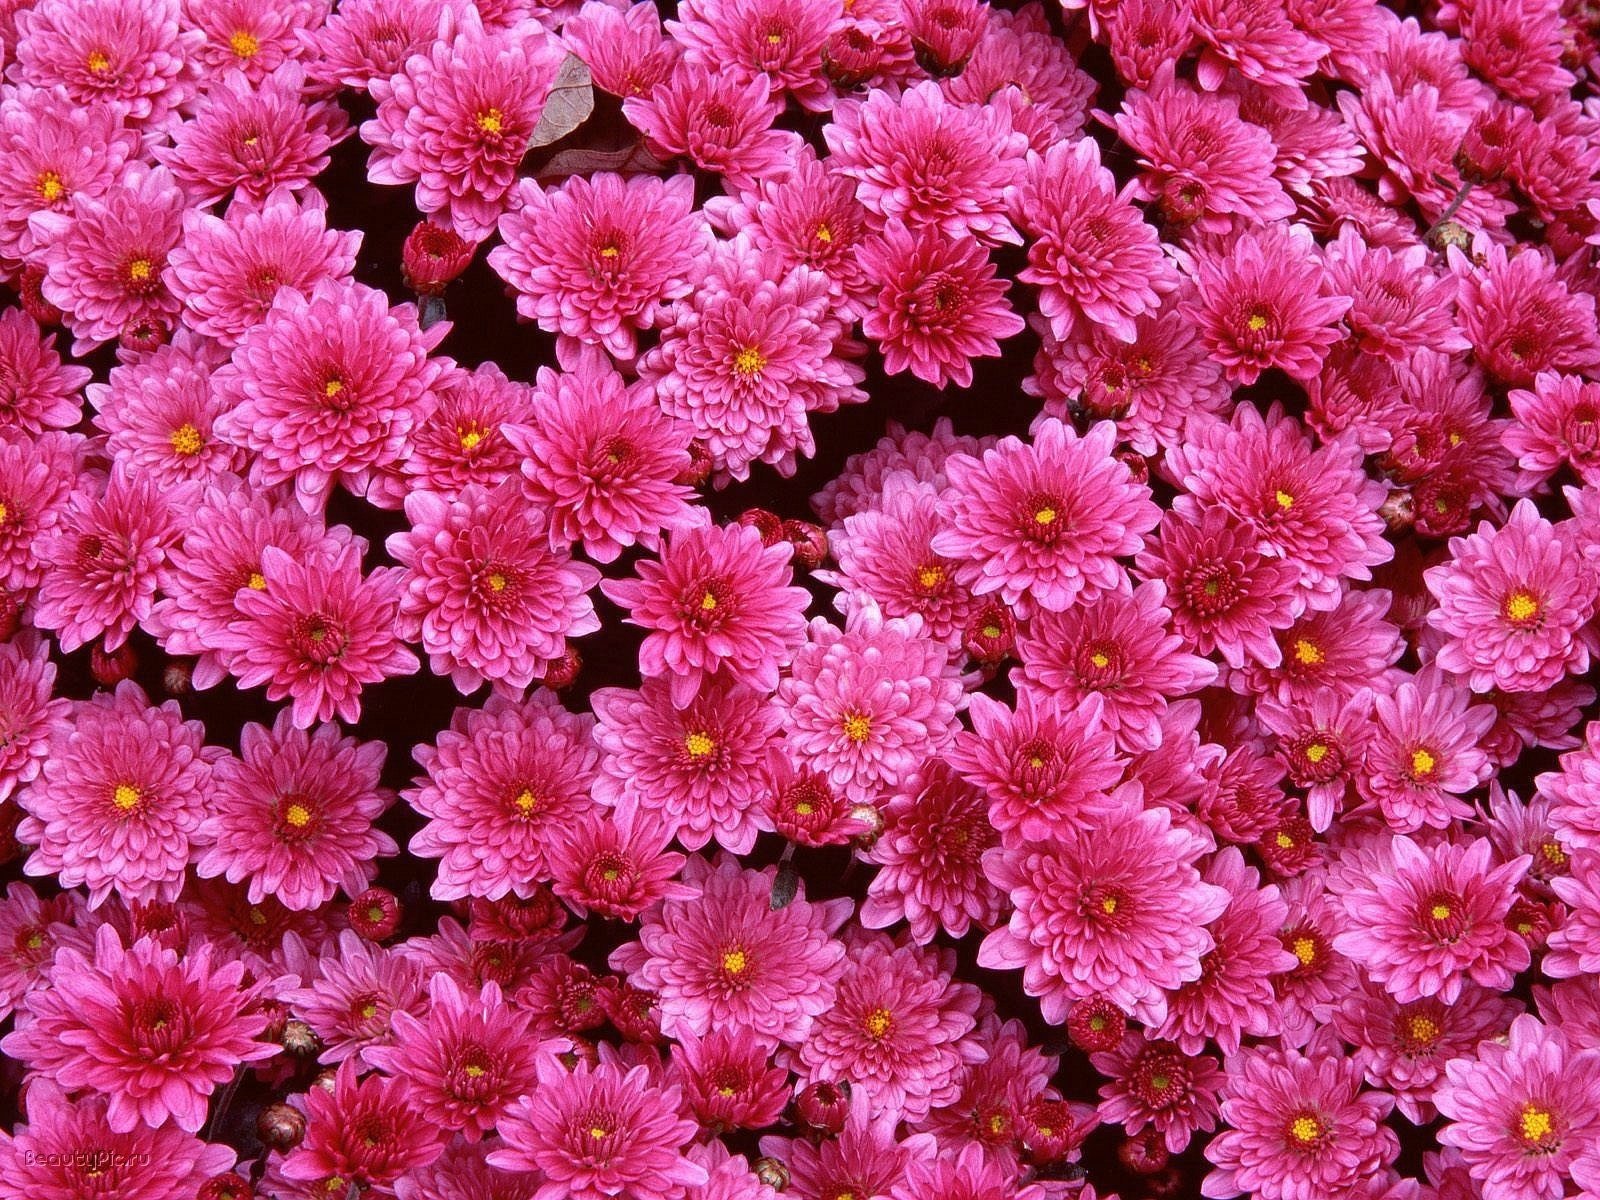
10 615
1049 1131
1145 1154
810 543
111 667
177 677
281 1126
944 33
768 524
633 1013
771 1172
851 56
562 672
1396 510
1450 233
699 468
231 1186
823 1105
300 1040
144 334
375 914
580 1052
1095 1025
871 821
433 257
1138 465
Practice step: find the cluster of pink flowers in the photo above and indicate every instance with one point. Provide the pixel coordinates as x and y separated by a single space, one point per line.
1170 768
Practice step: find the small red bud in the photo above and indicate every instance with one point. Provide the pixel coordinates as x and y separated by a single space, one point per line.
281 1126
231 1186
1096 1025
1145 1154
433 257
632 1012
562 672
10 615
299 1039
375 914
111 667
991 635
144 334
768 524
699 468
823 1105
810 543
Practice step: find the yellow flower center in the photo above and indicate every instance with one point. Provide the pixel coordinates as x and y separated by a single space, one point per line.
1423 1030
1521 607
497 582
526 801
1285 842
1045 516
50 187
878 1022
332 388
1422 763
1100 660
474 1071
470 439
1534 1124
735 962
698 745
491 120
1285 499
297 815
598 1132
99 62
1316 752
1305 949
186 441
857 727
749 362
932 577
139 270
804 808
1109 906
1308 653
126 797
824 234
610 252
1257 322
368 1011
258 582
1305 1129
244 43
993 631
1440 912
1553 854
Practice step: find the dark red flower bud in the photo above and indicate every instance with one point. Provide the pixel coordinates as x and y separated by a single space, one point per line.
633 1013
281 1127
231 1186
563 672
1138 465
991 635
810 543
433 257
1165 1184
1441 506
1397 511
376 914
277 1018
538 918
1096 1025
144 334
944 33
823 1105
851 56
10 615
768 524
33 301
582 1052
111 667
300 1040
1145 1154
699 468
1489 143
10 817
1531 921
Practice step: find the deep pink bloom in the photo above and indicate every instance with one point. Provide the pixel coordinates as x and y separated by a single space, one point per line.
293 815
624 48
154 1033
317 633
720 123
351 992
1522 317
369 39
1517 45
29 711
502 783
228 270
716 601
599 257
600 1132
1557 423
967 1174
31 931
939 305
1321 742
728 1079
1259 41
360 1132
327 388
1398 304
726 959
457 118
1117 910
1425 753
780 39
864 479
1574 793
37 390
899 1028
1435 918
617 864
462 438
1338 652
1153 1084
1020 64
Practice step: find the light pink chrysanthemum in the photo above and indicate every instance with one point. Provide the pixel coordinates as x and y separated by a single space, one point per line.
132 56
600 1132
228 270
1424 753
155 1034
701 767
1093 257
458 118
1299 1126
328 387
599 257
1574 793
253 140
1522 1113
1574 948
317 633
868 704
617 863
504 783
1121 648
1557 422
252 36
1521 316
781 39
720 123
939 304
120 798
293 815
716 601
864 478
601 459
1117 910
106 554
899 1028
1021 64
351 992
37 390
483 592
929 163
726 959
369 39
104 262
1436 918
624 48
1043 524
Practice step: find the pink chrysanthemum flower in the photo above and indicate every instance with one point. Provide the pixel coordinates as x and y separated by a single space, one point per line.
617 864
1522 1113
327 388
1117 910
1521 316
1299 1126
293 815
701 767
747 358
228 270
1574 948
350 993
967 1174
624 48
1021 64
929 858
601 460
1424 754
728 1079
1094 258
67 1150
1514 605
159 413
317 633
28 713
726 959
1337 652
252 140
1266 302
369 39
1574 793
1200 161
484 594
716 601
599 257
52 151
463 1170
899 1028
1398 304
462 438
252 36
457 118
1435 919
1152 1084
155 1034
600 1132
780 39
996 1094
1043 524
1518 46
502 782
720 123
466 1062
104 262
360 1133
939 304
37 390
120 798
1259 41
1321 742
135 56
929 163
31 931
1557 423
1120 648
106 553
868 704
859 486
